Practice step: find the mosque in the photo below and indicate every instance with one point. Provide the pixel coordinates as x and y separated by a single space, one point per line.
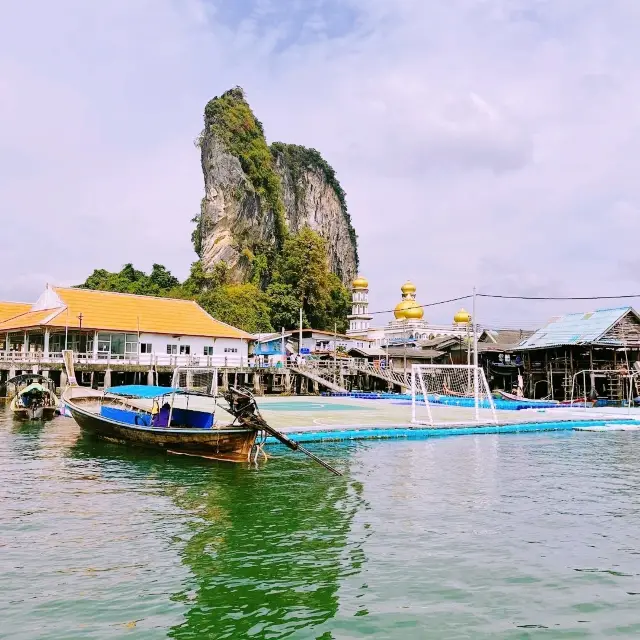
408 324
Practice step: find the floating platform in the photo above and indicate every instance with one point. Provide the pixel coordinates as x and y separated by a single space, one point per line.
453 401
609 426
343 418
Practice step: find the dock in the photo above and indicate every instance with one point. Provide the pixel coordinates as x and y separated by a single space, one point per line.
308 378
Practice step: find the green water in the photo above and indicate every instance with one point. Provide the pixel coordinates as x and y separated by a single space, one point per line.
514 536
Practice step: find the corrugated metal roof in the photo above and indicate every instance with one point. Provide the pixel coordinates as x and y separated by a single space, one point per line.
575 328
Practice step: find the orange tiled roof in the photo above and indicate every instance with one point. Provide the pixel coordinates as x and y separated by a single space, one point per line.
122 312
12 309
109 311
29 319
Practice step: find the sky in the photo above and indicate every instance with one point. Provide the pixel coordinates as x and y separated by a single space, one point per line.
486 143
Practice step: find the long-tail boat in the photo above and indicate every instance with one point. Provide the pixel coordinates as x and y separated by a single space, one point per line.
181 419
34 397
168 418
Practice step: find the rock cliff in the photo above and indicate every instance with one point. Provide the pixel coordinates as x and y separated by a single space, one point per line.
256 194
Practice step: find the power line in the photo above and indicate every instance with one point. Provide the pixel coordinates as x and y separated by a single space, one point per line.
505 297
491 295
423 306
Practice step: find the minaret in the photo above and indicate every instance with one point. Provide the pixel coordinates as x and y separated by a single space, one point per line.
359 319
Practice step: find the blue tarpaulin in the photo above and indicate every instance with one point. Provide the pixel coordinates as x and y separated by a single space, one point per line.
142 391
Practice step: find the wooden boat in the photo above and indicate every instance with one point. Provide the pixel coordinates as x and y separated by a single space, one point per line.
578 402
512 396
34 397
180 419
166 418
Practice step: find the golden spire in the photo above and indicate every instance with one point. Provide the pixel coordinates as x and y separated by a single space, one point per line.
408 308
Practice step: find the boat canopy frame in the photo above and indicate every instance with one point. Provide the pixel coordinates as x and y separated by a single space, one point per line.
27 379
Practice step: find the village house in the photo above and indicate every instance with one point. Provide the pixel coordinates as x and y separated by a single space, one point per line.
111 329
605 344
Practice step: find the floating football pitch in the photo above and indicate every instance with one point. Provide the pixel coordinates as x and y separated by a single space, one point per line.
301 414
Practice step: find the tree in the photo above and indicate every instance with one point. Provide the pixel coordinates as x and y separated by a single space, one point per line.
131 280
201 281
339 305
163 278
285 307
241 305
298 276
303 267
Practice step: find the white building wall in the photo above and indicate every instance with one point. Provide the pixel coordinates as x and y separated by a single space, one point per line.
235 350
345 343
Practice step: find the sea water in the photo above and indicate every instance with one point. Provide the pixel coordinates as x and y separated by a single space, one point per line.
489 536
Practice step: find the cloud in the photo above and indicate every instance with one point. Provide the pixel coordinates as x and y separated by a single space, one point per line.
490 143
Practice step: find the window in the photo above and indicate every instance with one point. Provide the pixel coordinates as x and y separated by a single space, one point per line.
231 350
185 349
112 343
208 351
131 343
145 347
172 349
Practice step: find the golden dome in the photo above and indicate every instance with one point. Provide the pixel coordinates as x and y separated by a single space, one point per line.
408 287
462 317
414 311
400 312
408 309
360 283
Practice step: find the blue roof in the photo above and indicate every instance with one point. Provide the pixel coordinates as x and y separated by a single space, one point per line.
141 391
577 328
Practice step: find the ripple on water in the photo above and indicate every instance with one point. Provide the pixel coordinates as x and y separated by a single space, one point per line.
509 536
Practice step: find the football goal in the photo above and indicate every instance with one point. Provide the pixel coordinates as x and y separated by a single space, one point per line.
450 394
196 379
619 387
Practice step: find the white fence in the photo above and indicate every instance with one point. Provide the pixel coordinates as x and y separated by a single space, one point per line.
40 358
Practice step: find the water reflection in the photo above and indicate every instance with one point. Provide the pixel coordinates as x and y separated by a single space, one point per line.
483 537
265 548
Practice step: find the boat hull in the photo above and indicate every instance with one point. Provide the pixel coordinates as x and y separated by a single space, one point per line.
236 443
36 413
511 396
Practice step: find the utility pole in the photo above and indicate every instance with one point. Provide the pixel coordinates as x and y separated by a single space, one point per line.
475 356
300 336
404 341
283 349
66 331
335 349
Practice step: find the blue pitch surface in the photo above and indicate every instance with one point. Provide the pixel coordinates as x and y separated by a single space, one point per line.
307 405
453 401
417 433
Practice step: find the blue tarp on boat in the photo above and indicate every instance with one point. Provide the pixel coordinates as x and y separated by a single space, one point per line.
142 391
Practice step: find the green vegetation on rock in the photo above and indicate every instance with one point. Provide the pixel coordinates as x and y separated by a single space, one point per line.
230 119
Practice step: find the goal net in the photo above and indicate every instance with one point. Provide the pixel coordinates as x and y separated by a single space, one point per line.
619 387
450 393
197 379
